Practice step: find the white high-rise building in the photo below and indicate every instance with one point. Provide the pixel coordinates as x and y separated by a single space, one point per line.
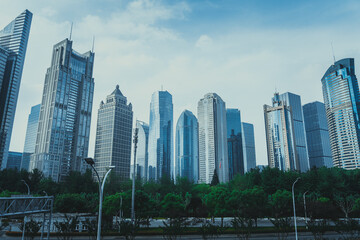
213 152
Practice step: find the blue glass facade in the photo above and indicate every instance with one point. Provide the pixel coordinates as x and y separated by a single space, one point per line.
234 136
317 135
161 136
280 138
294 102
13 44
248 141
142 155
64 124
30 138
342 106
187 147
14 160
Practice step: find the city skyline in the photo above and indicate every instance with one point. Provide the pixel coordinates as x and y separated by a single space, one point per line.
171 66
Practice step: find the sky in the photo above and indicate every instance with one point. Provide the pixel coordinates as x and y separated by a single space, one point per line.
241 50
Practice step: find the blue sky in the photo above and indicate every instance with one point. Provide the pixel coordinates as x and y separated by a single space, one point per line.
241 50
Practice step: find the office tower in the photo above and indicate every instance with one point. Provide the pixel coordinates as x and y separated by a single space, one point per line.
248 141
161 136
234 136
280 139
317 135
213 152
64 124
13 44
14 160
187 147
294 102
342 105
30 138
142 155
113 136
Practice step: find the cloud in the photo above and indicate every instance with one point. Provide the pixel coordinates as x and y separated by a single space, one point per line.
204 42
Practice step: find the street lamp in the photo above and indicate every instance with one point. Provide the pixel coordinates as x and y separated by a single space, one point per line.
293 197
133 178
28 188
91 162
23 232
304 197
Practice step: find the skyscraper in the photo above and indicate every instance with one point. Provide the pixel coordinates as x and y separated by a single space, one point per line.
13 43
234 136
161 136
187 147
142 155
342 105
294 102
213 152
280 139
14 160
248 141
317 135
30 138
64 124
113 135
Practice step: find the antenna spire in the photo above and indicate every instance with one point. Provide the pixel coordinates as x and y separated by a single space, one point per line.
162 89
93 44
332 48
71 29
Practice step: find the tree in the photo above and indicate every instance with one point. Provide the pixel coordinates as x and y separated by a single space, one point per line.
32 227
215 180
66 227
216 202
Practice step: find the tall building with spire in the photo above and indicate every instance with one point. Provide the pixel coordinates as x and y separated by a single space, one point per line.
213 148
161 136
342 105
64 124
187 147
113 136
280 139
13 43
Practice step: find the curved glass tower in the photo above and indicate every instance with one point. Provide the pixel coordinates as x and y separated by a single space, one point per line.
342 105
187 147
142 155
13 44
161 136
213 148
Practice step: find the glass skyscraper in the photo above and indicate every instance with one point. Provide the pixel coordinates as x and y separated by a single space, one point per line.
187 147
113 136
280 139
342 106
161 136
294 102
13 44
317 135
142 155
30 138
248 141
234 136
64 124
14 160
213 148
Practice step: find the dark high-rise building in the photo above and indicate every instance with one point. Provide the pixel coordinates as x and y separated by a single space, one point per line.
13 43
14 160
187 147
64 124
317 135
113 136
248 141
234 136
30 138
342 106
161 136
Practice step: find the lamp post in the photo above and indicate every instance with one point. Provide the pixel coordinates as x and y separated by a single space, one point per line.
28 193
304 197
91 162
133 178
120 212
293 198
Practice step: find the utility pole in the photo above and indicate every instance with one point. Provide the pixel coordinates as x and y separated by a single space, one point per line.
293 198
133 178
